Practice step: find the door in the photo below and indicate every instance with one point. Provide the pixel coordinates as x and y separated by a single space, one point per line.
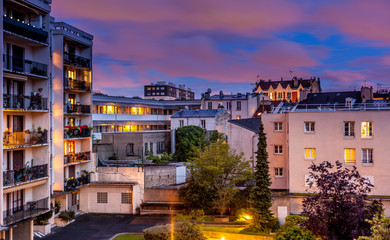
18 157
72 171
17 136
17 200
18 92
18 123
17 58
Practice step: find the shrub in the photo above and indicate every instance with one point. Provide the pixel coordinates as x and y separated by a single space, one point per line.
57 206
67 215
182 231
43 218
261 224
295 221
294 232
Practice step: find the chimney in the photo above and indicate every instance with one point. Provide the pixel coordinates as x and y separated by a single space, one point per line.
295 79
366 93
221 94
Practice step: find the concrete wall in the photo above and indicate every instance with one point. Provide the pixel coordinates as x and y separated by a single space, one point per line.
160 175
243 140
161 195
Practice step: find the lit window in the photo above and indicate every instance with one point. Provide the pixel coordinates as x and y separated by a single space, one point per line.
102 197
310 153
148 88
111 109
280 95
309 127
366 129
278 172
349 129
203 124
367 155
278 149
271 96
349 155
278 126
126 198
238 116
181 123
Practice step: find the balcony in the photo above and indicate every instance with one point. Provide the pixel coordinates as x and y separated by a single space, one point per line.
28 210
77 85
77 60
71 132
24 139
24 175
34 102
72 158
77 109
74 183
25 30
24 66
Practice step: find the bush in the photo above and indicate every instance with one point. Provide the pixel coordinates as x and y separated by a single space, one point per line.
182 231
295 233
43 218
57 206
295 221
67 215
261 224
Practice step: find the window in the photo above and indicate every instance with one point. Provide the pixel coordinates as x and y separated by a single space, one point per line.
367 155
280 95
278 126
310 153
349 155
203 124
271 96
309 180
146 148
181 123
102 197
288 95
238 105
349 129
75 198
130 149
278 149
126 198
366 129
151 148
228 105
370 179
238 116
309 127
160 147
278 172
210 105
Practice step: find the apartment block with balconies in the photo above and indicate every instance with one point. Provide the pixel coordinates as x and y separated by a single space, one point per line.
72 85
25 74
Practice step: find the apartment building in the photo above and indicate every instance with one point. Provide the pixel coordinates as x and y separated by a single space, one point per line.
26 89
352 130
168 91
72 113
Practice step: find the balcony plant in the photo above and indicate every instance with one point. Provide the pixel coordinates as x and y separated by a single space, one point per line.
71 184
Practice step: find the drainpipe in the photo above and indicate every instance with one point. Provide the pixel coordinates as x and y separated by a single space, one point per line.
253 151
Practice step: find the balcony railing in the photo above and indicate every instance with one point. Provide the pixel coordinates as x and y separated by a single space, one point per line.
24 66
77 157
77 109
25 30
77 132
74 183
22 102
28 210
22 139
23 174
75 84
77 60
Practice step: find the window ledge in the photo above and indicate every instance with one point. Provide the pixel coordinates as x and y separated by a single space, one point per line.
310 159
278 153
278 131
279 176
367 164
367 138
349 137
349 164
309 132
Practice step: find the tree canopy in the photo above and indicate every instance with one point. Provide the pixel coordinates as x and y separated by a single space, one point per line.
188 139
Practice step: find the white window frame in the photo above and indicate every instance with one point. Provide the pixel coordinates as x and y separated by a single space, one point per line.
126 198
181 123
309 179
309 127
369 131
203 124
310 157
278 149
279 172
102 197
367 156
278 126
349 129
350 161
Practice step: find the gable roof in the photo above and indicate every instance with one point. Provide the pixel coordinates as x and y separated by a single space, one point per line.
197 113
251 124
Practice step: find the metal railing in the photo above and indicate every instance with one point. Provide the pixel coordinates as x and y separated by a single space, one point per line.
77 108
25 30
77 133
22 102
26 138
77 60
77 157
28 210
376 106
23 174
20 65
74 183
76 84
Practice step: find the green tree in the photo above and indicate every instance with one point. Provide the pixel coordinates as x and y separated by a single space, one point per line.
380 228
188 139
216 170
261 192
163 159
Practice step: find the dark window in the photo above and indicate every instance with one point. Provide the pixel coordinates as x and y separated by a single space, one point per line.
130 149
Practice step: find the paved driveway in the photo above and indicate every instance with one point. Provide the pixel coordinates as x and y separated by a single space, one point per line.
103 226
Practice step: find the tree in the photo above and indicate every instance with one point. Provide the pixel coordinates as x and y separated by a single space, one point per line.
261 192
339 206
215 170
188 139
163 159
380 228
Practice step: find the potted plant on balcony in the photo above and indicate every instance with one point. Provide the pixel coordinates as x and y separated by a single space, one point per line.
41 223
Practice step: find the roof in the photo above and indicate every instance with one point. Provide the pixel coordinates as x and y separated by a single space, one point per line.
265 85
238 96
197 113
332 97
251 124
140 102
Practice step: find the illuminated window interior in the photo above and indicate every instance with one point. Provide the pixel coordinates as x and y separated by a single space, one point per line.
366 129
71 74
310 153
70 147
111 109
133 128
349 155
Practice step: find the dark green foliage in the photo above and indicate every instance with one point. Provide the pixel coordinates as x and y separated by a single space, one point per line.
294 233
188 139
57 207
163 159
67 215
217 136
43 218
261 192
340 206
380 228
182 231
263 224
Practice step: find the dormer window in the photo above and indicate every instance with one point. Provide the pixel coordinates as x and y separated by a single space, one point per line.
349 102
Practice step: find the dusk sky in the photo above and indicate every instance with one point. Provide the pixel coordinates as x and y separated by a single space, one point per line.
225 44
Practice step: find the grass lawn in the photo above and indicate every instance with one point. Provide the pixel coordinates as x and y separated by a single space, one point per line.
231 229
129 237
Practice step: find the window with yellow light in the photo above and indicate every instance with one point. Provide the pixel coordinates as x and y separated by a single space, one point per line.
349 155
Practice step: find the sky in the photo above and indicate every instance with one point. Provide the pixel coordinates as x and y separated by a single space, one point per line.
228 44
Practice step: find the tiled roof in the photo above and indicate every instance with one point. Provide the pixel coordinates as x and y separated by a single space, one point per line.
252 124
332 97
265 85
197 113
